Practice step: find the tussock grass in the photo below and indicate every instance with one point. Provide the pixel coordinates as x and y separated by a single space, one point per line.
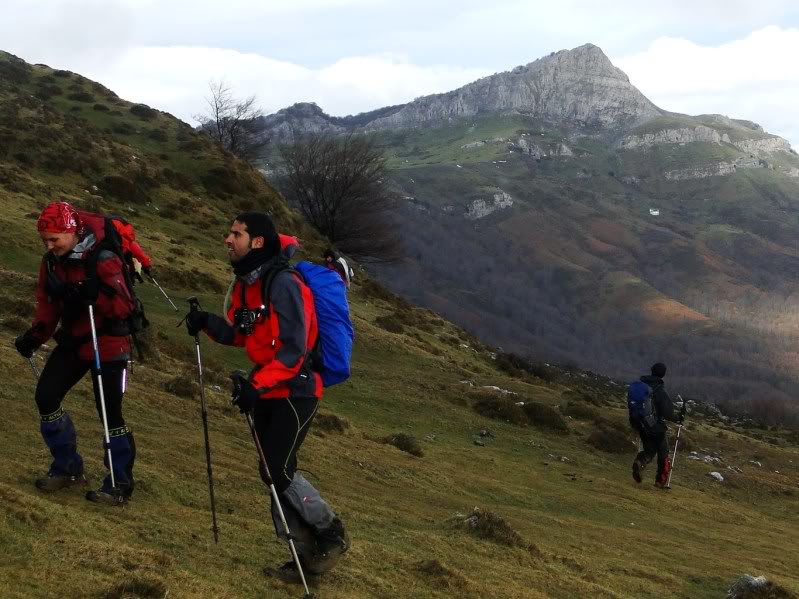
404 442
492 527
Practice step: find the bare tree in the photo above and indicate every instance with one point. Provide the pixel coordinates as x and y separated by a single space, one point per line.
232 122
340 184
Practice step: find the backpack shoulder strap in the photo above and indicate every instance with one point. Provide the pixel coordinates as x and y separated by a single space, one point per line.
268 281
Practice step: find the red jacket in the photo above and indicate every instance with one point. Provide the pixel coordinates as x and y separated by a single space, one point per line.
114 303
282 336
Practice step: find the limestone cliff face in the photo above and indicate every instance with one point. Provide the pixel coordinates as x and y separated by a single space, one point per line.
715 169
758 146
674 136
580 86
767 145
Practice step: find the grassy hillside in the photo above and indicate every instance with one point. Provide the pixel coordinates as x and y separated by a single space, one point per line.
578 525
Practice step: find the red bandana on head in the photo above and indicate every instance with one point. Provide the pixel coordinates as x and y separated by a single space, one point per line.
58 217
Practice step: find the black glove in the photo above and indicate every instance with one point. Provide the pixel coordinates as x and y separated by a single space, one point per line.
196 321
26 344
244 394
147 270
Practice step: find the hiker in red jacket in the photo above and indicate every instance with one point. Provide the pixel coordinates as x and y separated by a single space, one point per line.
72 276
270 312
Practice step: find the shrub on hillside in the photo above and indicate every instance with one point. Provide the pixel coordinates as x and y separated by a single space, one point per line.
120 187
100 108
390 323
407 443
158 135
544 416
182 385
578 410
330 423
611 437
81 96
494 406
15 70
143 111
123 129
45 92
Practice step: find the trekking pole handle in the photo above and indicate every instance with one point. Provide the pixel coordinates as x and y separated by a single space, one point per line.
194 304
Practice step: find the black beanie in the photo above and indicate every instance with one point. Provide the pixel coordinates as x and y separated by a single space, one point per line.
659 370
260 225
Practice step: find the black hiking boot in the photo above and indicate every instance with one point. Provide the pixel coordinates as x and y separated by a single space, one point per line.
55 482
107 496
637 471
331 544
288 572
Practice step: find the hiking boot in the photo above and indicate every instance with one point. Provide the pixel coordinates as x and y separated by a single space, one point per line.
661 485
288 572
55 482
107 497
331 544
637 471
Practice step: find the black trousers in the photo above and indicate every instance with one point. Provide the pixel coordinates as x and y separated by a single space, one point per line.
63 371
655 444
281 426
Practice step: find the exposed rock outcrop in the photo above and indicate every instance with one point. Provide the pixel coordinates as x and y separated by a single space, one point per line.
481 208
674 136
713 170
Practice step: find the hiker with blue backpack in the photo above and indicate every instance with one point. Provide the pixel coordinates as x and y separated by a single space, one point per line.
273 313
650 407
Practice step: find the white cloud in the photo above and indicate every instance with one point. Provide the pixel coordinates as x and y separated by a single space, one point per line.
755 78
176 79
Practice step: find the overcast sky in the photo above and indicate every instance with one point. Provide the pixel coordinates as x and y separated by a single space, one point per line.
734 57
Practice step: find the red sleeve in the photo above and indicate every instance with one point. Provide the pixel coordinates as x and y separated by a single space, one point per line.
48 312
139 254
118 304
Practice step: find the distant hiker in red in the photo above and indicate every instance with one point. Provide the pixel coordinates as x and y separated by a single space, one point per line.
335 262
77 272
270 312
650 407
137 260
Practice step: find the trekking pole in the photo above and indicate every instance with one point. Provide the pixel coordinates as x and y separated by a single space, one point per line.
34 368
194 306
152 278
683 410
99 373
273 491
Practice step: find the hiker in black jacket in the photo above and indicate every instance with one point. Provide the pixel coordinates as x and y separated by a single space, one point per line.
654 438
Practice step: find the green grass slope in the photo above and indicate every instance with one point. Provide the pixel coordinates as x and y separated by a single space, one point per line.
578 525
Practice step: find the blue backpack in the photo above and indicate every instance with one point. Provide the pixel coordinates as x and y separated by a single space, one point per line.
333 350
640 406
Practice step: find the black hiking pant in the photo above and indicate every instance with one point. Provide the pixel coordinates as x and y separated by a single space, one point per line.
63 371
281 426
655 444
